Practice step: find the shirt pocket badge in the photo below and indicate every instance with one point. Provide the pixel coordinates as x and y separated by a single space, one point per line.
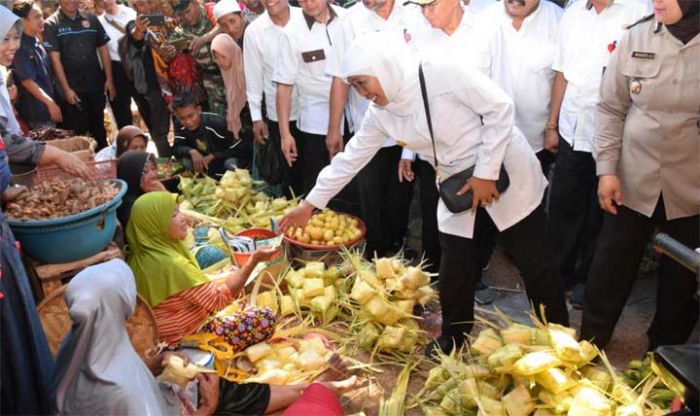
313 56
641 74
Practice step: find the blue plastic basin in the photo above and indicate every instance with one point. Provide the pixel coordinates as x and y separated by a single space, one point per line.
66 239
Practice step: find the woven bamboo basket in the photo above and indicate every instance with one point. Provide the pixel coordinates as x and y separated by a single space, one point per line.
56 322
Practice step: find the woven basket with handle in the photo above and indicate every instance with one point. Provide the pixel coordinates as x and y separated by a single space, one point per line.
56 322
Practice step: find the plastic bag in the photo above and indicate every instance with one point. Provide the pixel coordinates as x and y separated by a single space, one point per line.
270 161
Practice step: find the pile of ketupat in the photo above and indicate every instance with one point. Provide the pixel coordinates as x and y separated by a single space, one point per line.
383 296
232 202
520 370
290 361
314 290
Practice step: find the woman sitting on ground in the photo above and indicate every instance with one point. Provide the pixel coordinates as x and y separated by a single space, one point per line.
171 281
138 169
98 372
128 138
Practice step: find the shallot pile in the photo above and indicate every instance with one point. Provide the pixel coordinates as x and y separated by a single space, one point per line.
57 199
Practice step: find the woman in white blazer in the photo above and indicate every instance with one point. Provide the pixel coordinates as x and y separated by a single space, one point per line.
473 125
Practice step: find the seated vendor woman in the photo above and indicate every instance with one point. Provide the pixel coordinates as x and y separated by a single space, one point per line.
128 138
138 169
203 142
170 280
98 372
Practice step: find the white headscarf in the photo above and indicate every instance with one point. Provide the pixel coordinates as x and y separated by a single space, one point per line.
7 116
386 56
97 369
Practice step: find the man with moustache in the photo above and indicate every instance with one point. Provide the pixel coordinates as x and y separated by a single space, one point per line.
260 46
77 43
458 31
531 32
589 33
384 201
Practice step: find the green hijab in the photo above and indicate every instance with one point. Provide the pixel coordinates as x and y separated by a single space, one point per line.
162 266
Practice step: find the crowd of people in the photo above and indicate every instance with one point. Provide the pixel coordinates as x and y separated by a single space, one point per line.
570 128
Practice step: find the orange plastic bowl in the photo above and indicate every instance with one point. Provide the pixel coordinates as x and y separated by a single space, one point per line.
360 225
259 233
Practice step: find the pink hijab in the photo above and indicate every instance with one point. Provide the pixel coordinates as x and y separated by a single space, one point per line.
234 80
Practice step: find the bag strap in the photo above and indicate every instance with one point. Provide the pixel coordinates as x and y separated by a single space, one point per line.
426 106
116 25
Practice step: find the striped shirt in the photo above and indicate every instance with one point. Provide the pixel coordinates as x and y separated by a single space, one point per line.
183 313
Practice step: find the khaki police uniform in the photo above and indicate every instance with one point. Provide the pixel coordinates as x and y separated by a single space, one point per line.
648 135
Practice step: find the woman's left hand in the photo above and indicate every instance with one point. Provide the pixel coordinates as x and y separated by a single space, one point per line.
484 190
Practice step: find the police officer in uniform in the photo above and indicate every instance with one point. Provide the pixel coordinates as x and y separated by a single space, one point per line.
647 153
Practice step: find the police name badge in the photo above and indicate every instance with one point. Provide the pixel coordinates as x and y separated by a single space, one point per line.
635 86
643 55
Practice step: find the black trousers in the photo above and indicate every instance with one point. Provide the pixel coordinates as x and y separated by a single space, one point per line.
384 202
158 121
121 104
526 243
294 186
87 118
546 159
429 198
574 214
314 159
620 248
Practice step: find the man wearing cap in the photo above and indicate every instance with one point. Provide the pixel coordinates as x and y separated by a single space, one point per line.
74 40
196 28
589 33
301 64
458 30
228 15
261 44
531 30
384 201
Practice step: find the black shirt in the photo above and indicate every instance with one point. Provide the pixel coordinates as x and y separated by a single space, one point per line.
77 39
211 137
32 63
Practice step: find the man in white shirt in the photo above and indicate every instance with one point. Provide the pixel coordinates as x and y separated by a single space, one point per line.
459 32
589 32
260 47
304 52
384 201
531 30
114 20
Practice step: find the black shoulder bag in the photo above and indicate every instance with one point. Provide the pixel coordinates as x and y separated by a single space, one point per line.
449 187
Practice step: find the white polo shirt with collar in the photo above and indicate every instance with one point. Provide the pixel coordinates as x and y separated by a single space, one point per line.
533 48
261 44
304 52
478 43
585 43
405 20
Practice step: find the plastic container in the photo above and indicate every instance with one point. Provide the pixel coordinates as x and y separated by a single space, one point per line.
67 239
257 233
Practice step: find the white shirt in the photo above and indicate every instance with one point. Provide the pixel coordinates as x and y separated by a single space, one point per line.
261 44
460 98
533 48
476 42
582 56
125 15
406 21
303 55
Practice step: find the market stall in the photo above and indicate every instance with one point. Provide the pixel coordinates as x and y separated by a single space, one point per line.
328 299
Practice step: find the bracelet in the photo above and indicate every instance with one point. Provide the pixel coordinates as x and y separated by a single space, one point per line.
551 126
